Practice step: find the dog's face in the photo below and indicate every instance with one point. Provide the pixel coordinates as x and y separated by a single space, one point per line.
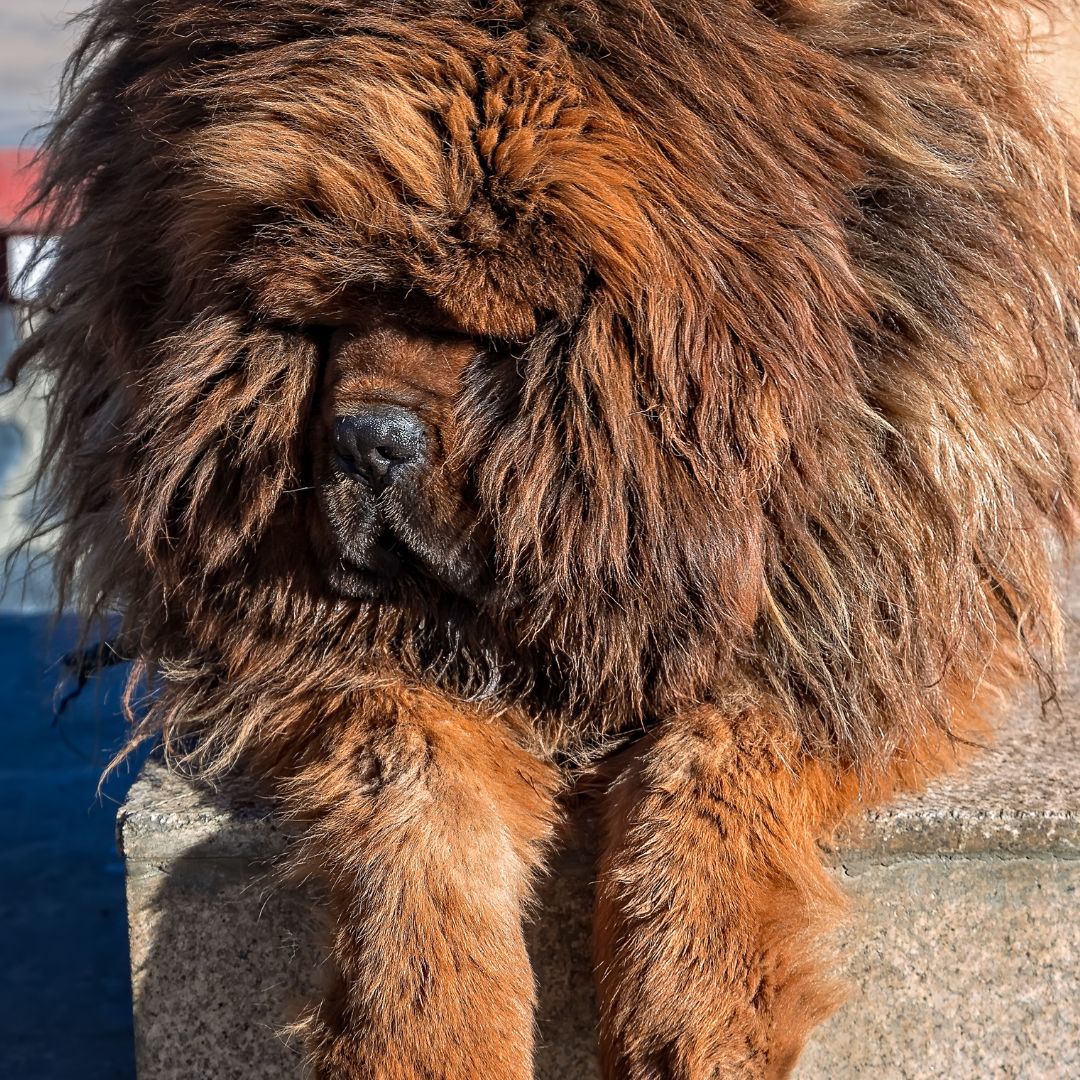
393 506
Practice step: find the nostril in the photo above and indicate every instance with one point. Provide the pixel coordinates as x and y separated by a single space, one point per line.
377 443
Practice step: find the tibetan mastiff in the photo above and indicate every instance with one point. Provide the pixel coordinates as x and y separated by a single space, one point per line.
454 398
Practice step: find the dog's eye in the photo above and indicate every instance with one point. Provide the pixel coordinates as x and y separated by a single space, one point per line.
436 327
322 336
441 333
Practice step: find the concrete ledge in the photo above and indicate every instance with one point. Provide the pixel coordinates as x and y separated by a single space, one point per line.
963 949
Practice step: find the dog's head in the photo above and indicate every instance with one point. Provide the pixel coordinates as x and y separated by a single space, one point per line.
439 327
660 344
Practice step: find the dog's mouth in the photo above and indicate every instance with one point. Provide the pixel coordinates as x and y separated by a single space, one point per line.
390 565
389 556
380 568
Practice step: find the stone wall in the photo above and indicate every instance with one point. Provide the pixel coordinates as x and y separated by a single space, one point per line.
962 950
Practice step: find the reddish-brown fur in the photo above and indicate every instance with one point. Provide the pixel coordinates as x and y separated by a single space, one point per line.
744 337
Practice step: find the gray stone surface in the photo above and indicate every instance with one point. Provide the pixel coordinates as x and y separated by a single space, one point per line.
961 967
222 956
962 950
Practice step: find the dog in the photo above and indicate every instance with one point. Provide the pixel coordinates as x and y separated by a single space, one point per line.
454 399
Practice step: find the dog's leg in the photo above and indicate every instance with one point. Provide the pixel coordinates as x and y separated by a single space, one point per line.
427 825
710 897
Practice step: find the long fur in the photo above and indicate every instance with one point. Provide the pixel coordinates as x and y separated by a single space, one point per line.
778 403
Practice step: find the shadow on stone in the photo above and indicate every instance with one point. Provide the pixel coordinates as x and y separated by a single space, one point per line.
224 957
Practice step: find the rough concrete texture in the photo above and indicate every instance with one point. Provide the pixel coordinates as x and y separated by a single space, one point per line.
962 950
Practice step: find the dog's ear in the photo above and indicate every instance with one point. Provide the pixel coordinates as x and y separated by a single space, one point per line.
213 441
619 512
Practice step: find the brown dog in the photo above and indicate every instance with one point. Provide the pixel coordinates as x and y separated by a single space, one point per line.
450 395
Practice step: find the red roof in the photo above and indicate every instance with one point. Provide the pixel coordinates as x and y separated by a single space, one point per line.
17 179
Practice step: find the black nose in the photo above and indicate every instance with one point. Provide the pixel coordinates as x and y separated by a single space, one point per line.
376 444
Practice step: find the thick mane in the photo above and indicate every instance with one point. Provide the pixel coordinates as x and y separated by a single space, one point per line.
781 397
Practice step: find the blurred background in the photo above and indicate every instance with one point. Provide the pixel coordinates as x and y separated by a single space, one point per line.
65 1009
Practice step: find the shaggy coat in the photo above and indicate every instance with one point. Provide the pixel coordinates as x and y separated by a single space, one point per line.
740 340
